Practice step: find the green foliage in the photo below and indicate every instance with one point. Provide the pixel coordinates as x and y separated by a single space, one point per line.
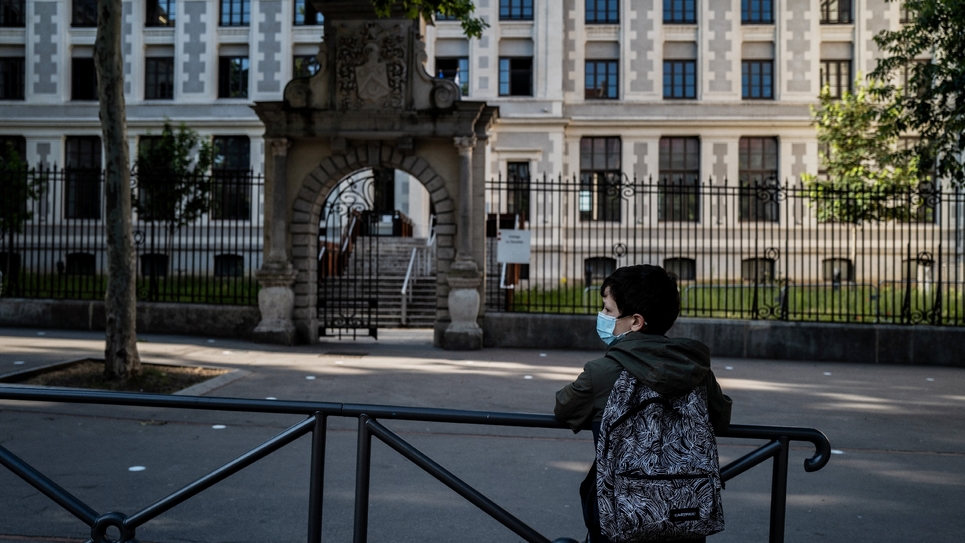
462 10
172 182
865 179
18 185
933 105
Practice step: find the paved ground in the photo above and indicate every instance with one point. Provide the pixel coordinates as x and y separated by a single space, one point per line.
898 474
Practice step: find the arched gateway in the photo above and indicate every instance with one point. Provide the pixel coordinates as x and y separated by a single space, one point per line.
371 105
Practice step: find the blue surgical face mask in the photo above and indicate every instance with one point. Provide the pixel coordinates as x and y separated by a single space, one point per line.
604 327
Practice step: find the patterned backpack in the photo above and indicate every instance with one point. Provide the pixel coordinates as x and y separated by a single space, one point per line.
658 475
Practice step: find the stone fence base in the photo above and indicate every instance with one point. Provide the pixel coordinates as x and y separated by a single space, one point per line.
152 318
826 342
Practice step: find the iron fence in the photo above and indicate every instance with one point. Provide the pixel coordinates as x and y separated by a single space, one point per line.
125 526
751 250
53 241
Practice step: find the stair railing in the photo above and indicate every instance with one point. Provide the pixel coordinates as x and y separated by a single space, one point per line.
406 292
421 262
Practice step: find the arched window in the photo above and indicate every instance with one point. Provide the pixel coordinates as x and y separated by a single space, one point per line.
757 270
80 264
229 266
154 265
684 268
837 270
597 268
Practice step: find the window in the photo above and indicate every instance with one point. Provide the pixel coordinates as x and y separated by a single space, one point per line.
757 163
229 266
836 76
757 270
602 12
837 270
455 69
915 77
757 79
12 13
598 268
445 17
11 78
517 188
305 66
81 264
923 201
160 13
684 268
159 79
680 11
306 14
602 80
231 183
233 77
677 193
18 144
516 76
84 13
680 79
235 12
82 187
757 11
154 265
83 81
906 15
515 10
600 195
835 12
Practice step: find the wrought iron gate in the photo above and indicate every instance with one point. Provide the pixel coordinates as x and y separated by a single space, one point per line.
348 258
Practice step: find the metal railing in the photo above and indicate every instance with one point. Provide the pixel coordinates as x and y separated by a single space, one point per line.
53 241
717 234
368 416
420 263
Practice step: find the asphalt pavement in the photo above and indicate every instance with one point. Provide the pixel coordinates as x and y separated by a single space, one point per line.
897 473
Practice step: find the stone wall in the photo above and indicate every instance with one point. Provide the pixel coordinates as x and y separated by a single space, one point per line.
152 318
864 343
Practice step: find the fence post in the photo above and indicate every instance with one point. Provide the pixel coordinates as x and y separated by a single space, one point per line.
779 492
317 481
362 469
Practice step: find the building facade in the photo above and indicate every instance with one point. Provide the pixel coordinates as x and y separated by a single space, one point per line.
686 92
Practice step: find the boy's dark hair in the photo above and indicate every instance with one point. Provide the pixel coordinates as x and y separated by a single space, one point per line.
648 290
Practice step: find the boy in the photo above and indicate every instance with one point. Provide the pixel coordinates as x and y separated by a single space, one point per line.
640 303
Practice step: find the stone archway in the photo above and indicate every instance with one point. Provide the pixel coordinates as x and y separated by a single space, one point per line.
307 208
372 104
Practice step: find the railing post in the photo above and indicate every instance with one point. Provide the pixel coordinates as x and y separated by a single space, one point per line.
317 481
779 492
362 468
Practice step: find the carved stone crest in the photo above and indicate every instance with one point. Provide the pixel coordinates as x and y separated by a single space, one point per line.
371 65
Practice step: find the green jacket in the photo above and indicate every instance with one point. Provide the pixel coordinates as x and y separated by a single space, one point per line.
670 366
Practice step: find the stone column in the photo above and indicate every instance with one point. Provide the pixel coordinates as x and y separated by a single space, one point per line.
276 299
463 333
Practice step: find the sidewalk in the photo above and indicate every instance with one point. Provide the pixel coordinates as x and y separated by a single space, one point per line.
898 473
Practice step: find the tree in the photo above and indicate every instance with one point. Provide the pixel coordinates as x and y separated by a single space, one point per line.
864 172
461 10
865 179
930 103
171 184
121 359
18 186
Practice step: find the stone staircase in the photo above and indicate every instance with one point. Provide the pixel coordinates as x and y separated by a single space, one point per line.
382 278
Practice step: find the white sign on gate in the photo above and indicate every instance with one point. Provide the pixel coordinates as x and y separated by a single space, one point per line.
512 246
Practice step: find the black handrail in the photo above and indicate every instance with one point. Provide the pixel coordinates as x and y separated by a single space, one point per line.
367 415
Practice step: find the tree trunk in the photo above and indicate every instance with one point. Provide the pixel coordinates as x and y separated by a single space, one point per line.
120 353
